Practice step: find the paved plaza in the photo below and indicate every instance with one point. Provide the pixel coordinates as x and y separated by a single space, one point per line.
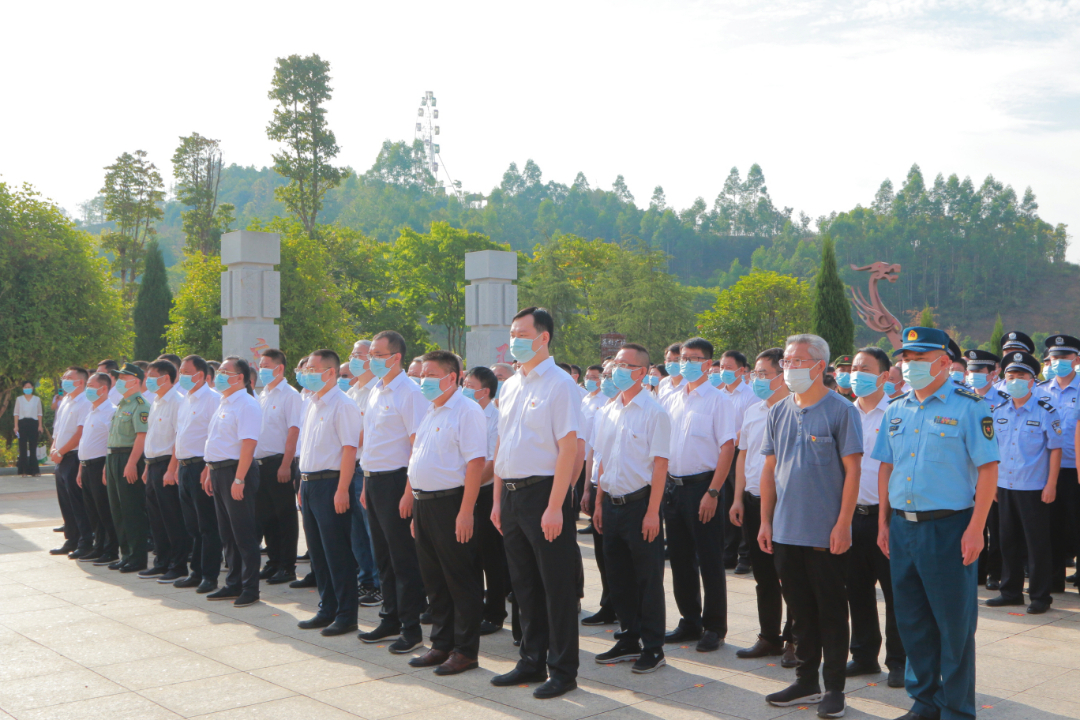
78 642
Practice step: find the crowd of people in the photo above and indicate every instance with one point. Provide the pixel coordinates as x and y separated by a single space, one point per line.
443 495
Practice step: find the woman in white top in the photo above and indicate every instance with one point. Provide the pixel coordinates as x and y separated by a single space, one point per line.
28 427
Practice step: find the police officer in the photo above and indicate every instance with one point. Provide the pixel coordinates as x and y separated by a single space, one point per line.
1014 340
1062 392
983 374
124 470
1030 438
939 467
958 369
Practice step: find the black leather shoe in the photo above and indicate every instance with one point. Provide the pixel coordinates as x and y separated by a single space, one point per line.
993 584
154 572
172 576
338 628
519 676
487 627
682 634
896 677
64 549
857 667
1002 601
267 572
191 581
762 648
709 641
1037 607
116 565
307 581
315 622
742 569
604 617
247 597
79 553
91 556
281 576
225 593
406 644
132 568
206 586
385 630
105 560
426 618
789 660
56 529
553 688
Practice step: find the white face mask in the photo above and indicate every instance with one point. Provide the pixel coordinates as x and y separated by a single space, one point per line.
798 380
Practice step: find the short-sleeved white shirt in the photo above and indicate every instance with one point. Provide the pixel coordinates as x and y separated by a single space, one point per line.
535 412
280 413
69 416
702 420
359 393
631 436
238 417
447 439
331 423
750 437
94 442
742 398
871 424
161 426
28 408
666 387
491 413
193 422
393 414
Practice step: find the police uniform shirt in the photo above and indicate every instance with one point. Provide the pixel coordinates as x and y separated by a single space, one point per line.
332 421
1026 435
280 413
237 417
741 398
535 412
751 436
94 442
161 437
631 436
702 420
393 414
871 426
936 446
447 439
995 397
129 420
1064 401
491 417
193 422
70 415
359 393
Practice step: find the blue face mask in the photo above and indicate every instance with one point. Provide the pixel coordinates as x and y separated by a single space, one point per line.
67 386
469 393
727 376
356 366
28 391
429 386
890 388
121 386
522 349
978 380
1018 388
673 368
716 379
917 374
91 394
654 380
609 388
863 383
314 381
957 376
297 374
152 384
187 382
221 382
843 380
761 388
498 389
691 370
1062 368
591 385
266 375
343 384
623 378
379 367
1048 372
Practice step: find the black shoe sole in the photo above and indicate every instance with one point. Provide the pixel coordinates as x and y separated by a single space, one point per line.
247 603
643 671
378 639
620 659
804 700
234 598
406 650
521 680
570 686
337 631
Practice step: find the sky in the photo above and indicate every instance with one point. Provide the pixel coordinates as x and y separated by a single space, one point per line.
830 97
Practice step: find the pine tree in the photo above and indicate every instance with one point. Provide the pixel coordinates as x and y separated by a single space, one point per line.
832 312
152 306
995 337
926 318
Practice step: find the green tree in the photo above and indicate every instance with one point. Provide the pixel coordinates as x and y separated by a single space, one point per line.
59 306
758 312
195 319
301 89
197 165
152 306
133 190
831 316
926 317
996 335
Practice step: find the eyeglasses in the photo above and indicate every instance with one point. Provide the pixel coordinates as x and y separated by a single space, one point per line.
683 358
382 356
795 363
627 366
760 375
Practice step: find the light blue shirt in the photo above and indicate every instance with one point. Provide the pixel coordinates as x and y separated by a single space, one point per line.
936 447
1025 436
1064 401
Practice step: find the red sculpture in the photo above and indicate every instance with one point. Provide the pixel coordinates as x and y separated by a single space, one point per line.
874 313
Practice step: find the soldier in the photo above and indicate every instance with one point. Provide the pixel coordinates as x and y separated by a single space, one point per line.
843 376
1061 392
124 469
939 466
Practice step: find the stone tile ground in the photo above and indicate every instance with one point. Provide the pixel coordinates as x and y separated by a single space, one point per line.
83 642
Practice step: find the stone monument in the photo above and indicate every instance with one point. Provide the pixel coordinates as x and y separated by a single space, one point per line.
250 293
490 305
873 312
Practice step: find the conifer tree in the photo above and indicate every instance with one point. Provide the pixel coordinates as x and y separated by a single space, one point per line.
152 305
995 336
831 316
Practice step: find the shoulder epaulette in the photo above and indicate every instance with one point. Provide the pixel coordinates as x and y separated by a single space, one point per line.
899 397
139 400
969 394
1047 406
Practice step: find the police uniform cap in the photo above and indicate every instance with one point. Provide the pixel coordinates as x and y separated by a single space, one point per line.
1015 339
980 359
955 353
1064 343
132 369
843 360
923 339
1022 361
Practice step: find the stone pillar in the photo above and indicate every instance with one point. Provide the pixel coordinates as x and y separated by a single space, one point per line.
250 293
490 305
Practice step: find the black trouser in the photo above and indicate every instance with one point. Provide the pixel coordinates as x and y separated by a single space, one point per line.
96 499
697 557
172 543
1063 517
395 552
543 575
1025 521
329 536
735 548
237 527
637 572
275 510
492 558
127 503
989 566
200 519
598 554
770 600
867 566
813 580
77 526
28 440
452 575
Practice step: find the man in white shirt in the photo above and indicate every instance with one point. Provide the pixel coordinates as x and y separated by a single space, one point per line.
768 386
395 408
595 377
481 386
635 440
67 431
867 565
172 543
539 418
702 446
445 472
672 366
200 515
111 368
331 429
275 504
733 371
93 446
363 380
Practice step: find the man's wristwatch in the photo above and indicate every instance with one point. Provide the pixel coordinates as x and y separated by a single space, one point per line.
237 481
713 493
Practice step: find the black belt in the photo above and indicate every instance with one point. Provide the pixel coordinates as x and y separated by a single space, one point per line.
926 515
321 475
631 497
85 463
866 509
159 459
692 479
268 458
114 450
190 461
423 495
222 464
380 473
515 485
751 497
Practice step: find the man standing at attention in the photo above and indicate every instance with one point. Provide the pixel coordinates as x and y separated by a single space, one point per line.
124 468
939 467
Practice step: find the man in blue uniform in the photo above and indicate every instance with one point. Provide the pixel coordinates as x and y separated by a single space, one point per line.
936 482
983 374
1013 341
1062 392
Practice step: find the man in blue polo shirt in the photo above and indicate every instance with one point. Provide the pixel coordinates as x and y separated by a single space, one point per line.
939 469
1062 392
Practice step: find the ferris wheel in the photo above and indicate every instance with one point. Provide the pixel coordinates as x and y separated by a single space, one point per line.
427 131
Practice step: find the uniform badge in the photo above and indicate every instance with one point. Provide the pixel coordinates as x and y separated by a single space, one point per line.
1057 426
1059 341
1034 423
912 336
143 417
1012 336
987 428
895 421
944 420
1003 420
